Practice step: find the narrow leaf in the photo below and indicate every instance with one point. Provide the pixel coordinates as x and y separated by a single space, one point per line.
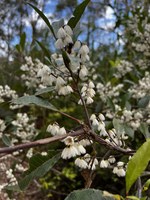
26 100
45 50
144 102
118 126
88 194
77 14
6 140
22 41
39 171
144 128
66 59
137 164
110 104
44 18
44 90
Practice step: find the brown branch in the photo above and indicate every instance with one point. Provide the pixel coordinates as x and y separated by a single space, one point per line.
98 139
95 137
39 142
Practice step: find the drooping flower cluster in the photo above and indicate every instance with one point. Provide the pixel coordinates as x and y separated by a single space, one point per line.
64 37
55 129
87 93
73 148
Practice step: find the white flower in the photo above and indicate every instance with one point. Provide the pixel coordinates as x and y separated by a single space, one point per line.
84 58
54 129
44 153
83 72
68 30
103 132
89 100
69 141
101 117
67 40
59 44
84 49
60 82
43 71
92 164
121 172
80 148
61 34
81 163
120 164
90 92
104 163
85 142
115 170
111 159
95 122
69 152
49 128
91 84
65 90
62 131
77 45
93 116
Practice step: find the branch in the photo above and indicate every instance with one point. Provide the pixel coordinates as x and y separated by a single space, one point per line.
44 141
39 142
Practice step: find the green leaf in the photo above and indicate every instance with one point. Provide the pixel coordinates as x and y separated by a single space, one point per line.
6 140
38 171
144 102
18 47
132 197
88 194
77 14
13 188
45 90
22 41
118 126
144 130
26 100
137 164
66 59
110 104
44 18
128 130
45 50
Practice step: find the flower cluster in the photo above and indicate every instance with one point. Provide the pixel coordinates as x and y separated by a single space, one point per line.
55 129
2 127
64 37
123 68
142 88
30 70
12 179
6 92
87 93
108 90
73 148
25 130
98 124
